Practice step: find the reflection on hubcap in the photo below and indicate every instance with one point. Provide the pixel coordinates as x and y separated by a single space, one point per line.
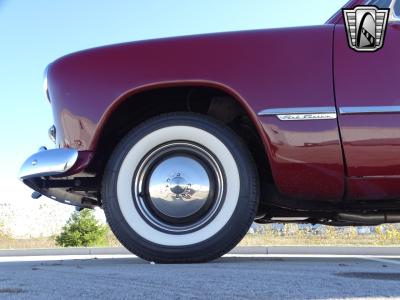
179 187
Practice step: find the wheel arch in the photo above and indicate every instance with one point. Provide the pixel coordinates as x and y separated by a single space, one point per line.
163 97
131 94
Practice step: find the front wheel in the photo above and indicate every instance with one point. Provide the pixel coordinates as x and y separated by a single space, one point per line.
180 188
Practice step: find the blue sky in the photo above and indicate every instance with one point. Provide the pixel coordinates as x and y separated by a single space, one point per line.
34 33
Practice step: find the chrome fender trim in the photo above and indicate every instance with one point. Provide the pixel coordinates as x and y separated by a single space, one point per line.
301 113
353 110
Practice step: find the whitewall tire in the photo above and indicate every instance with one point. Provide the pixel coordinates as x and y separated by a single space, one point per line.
180 188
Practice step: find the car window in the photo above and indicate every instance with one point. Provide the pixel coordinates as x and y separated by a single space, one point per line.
386 4
381 3
397 8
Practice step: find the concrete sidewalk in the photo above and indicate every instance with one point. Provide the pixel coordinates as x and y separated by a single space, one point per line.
251 250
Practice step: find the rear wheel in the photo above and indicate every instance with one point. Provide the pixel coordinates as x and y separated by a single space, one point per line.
180 188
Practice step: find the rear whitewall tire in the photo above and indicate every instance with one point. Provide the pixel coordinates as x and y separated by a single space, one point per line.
230 222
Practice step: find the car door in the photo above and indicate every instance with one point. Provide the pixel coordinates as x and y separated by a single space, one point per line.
367 87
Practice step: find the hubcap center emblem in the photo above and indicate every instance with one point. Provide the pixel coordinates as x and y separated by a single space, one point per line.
178 185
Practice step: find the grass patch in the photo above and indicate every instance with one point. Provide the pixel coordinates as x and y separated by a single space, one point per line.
293 235
29 243
264 235
265 240
45 242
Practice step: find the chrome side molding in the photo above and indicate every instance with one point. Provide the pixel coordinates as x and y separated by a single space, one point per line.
325 112
352 110
48 163
301 113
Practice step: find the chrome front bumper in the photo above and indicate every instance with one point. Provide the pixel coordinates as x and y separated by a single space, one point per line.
48 163
51 173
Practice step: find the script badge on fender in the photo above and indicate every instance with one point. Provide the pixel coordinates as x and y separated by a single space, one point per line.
366 27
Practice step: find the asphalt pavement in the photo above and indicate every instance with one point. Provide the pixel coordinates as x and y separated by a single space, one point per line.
232 277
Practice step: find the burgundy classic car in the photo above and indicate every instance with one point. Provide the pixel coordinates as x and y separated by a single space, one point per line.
184 142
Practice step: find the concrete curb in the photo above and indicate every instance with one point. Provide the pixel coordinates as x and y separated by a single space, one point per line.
317 250
276 250
64 251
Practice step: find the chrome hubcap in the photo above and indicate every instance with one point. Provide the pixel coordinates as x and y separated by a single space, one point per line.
179 187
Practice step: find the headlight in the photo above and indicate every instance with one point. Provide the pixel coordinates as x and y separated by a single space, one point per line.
45 87
52 133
